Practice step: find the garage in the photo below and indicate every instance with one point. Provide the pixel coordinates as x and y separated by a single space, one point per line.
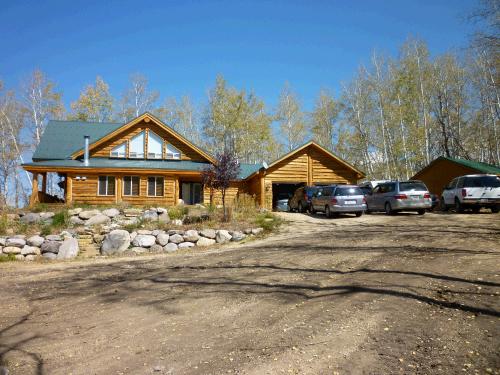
284 191
310 164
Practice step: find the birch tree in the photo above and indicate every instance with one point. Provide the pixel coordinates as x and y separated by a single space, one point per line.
182 116
323 119
290 117
94 104
137 99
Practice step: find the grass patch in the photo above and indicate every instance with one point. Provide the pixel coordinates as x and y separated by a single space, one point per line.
7 258
177 212
4 224
60 219
134 226
268 221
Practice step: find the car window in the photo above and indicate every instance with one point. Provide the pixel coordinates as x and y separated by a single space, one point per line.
482 181
391 188
348 191
378 189
327 191
412 186
460 182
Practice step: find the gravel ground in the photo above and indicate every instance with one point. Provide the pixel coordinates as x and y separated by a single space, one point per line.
379 294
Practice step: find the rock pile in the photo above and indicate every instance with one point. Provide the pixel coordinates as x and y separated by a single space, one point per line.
63 246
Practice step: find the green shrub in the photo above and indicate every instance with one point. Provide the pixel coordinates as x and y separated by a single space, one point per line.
132 227
46 230
60 219
40 207
177 212
7 258
268 221
4 224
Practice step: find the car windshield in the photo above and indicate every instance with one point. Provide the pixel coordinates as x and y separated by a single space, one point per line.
482 181
348 191
412 186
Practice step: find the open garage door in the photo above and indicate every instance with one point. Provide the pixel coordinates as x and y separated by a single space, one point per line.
281 193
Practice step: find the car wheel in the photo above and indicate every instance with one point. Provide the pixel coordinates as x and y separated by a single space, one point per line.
443 205
495 209
300 209
458 206
359 214
327 211
388 209
421 212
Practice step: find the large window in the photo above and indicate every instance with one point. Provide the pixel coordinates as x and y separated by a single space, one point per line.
136 146
155 186
106 185
171 152
155 146
131 185
119 151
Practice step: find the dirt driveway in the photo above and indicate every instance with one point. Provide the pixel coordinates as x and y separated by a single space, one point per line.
376 295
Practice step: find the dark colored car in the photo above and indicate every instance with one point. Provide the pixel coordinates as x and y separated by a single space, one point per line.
301 199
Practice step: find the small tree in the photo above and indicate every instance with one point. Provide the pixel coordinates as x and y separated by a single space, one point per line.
208 181
220 175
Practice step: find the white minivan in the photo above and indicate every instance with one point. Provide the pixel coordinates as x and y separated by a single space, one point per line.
473 192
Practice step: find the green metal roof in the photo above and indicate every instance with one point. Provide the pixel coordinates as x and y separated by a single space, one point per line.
62 138
104 163
477 165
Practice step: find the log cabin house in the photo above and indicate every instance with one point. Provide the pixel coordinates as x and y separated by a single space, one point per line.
145 162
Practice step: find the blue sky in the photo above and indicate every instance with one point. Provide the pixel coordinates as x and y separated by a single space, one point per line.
182 45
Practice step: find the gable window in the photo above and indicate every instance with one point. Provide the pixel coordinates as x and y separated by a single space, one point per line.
136 146
171 152
106 185
155 145
131 185
119 151
155 186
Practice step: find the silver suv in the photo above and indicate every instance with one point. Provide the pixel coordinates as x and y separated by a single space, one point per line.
395 196
472 191
335 199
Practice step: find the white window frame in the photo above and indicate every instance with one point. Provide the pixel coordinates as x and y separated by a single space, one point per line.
155 178
131 195
117 154
155 155
134 154
99 186
171 152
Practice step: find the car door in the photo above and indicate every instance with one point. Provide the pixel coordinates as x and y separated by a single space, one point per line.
316 198
449 192
373 200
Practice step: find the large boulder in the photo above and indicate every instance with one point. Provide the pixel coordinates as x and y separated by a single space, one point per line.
111 212
191 235
156 248
185 245
150 215
163 217
2 241
144 240
51 247
46 215
145 231
116 241
208 233
204 241
16 242
11 250
162 239
176 238
35 241
30 218
75 211
222 236
49 256
237 236
257 230
85 215
170 247
75 220
98 219
132 212
30 250
68 249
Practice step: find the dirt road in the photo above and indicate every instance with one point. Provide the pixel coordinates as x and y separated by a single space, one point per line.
375 295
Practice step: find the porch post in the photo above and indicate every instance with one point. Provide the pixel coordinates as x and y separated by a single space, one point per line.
119 190
34 190
68 193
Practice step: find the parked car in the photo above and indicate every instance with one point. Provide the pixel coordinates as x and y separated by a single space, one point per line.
301 199
282 202
335 199
396 196
367 186
472 191
435 201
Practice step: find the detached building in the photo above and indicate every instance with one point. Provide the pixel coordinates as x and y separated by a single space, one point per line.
146 162
444 169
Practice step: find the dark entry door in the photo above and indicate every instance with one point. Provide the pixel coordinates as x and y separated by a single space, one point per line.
191 192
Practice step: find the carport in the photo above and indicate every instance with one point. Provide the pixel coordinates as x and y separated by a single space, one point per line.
284 189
